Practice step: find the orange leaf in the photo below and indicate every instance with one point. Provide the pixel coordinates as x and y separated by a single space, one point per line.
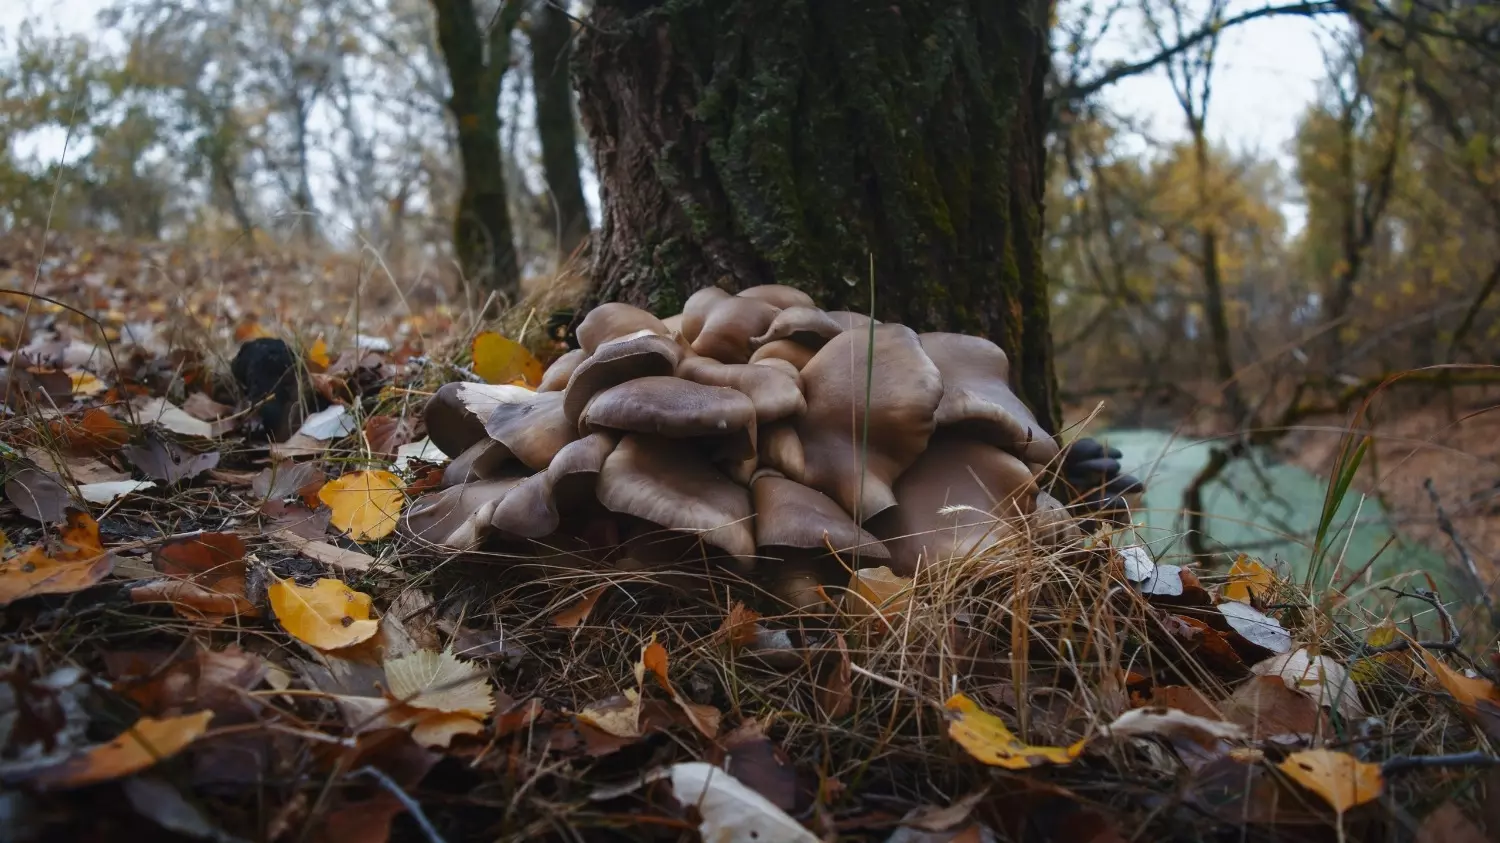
498 359
146 743
328 615
81 563
1341 779
1248 579
318 354
365 504
988 739
704 718
578 612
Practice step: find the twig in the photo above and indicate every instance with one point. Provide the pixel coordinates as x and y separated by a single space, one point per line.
1446 525
1430 598
412 806
1404 763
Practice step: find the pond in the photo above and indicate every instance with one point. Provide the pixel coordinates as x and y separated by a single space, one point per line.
1267 509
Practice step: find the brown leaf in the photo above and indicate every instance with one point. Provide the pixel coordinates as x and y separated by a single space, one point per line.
366 821
284 479
740 627
1184 698
205 557
833 691
762 766
39 495
705 718
1265 706
226 598
578 612
1448 825
164 461
78 564
387 433
97 432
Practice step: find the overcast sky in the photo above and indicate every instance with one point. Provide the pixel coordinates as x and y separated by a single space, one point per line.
1267 73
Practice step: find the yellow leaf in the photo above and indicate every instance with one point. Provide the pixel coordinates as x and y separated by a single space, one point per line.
1341 779
365 504
877 589
143 745
318 354
1248 579
986 737
1471 694
499 359
440 682
79 564
439 728
619 718
328 615
85 384
1367 670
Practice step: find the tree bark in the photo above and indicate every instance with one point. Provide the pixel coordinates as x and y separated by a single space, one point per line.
817 142
552 87
476 63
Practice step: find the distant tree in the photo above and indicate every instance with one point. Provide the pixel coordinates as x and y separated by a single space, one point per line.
477 57
551 32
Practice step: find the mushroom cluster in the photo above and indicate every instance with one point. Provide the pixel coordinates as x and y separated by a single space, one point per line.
755 430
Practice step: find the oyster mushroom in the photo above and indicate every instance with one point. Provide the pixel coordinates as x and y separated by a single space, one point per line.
808 326
612 320
534 507
533 430
778 295
639 355
646 477
778 447
977 397
456 413
484 460
555 379
773 391
676 409
457 517
990 491
695 310
789 351
897 411
729 325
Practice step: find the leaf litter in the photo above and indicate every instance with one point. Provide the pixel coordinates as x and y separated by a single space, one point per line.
264 598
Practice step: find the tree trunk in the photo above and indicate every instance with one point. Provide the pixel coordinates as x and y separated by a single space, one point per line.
1213 286
476 62
744 142
552 87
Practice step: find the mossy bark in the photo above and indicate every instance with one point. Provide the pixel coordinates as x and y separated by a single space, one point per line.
819 142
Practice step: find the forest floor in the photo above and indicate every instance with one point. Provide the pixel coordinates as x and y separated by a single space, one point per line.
205 635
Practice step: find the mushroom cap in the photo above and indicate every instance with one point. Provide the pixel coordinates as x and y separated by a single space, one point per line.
673 324
977 397
455 414
790 515
555 379
729 325
634 356
850 320
774 393
484 460
778 295
457 517
993 489
677 409
527 510
904 389
806 325
534 430
612 320
696 309
1052 523
790 352
780 448
646 477
575 470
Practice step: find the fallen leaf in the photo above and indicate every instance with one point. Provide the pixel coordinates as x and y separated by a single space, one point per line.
578 612
422 450
730 811
986 737
1267 707
833 691
328 615
1320 677
206 555
440 682
1184 698
705 718
85 384
1448 824
164 461
328 554
386 434
96 432
741 626
500 360
109 492
1165 581
328 424
80 563
317 355
224 599
1248 580
439 728
203 408
1478 698
1170 722
283 479
39 495
619 716
1139 567
877 590
752 758
1258 628
162 412
163 804
146 743
365 504
1341 779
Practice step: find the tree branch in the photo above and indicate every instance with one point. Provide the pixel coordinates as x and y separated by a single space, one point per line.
1082 90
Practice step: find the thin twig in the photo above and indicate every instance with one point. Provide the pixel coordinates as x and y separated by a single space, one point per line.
1451 644
412 806
1404 763
1446 525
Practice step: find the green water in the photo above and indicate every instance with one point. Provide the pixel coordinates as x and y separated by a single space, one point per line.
1266 509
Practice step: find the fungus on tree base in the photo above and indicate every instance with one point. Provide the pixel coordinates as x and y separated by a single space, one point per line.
759 431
